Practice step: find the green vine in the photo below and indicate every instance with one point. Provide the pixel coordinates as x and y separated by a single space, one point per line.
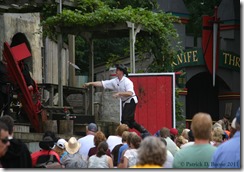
159 26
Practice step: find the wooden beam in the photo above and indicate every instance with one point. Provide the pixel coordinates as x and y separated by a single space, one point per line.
104 31
25 6
23 2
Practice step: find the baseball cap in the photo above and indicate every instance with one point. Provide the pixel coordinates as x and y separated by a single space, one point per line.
174 131
61 143
92 127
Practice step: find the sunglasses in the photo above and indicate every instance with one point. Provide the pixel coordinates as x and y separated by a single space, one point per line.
5 140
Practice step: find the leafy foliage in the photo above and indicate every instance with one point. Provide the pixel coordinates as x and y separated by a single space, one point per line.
158 25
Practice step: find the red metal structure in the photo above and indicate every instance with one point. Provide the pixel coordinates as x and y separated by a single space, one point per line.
30 101
156 95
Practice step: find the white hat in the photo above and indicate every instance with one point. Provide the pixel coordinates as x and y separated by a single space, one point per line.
72 146
61 143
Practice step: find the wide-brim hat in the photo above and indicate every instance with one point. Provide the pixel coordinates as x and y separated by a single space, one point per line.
72 146
47 143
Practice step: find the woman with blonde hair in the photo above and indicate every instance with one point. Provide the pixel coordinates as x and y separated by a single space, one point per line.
60 148
184 133
217 136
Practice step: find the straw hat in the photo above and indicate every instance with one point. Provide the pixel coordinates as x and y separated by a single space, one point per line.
72 146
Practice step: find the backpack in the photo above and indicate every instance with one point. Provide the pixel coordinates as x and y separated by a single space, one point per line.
50 163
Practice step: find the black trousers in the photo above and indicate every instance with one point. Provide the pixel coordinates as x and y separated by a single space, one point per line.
128 116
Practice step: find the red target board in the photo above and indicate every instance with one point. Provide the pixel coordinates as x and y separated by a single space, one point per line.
156 99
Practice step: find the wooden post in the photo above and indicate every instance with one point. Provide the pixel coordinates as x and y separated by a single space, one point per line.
88 37
72 81
50 125
66 126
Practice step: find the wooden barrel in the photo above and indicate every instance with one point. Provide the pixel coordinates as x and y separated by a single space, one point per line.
50 125
66 126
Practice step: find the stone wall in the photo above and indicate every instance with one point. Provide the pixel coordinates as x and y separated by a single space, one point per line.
107 107
28 23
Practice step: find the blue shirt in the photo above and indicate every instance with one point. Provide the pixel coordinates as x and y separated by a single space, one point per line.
227 155
121 149
63 154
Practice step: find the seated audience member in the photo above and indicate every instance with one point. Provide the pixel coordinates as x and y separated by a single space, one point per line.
47 144
199 154
115 140
100 159
169 158
191 140
184 133
73 159
171 146
173 133
115 151
151 153
130 155
18 154
228 154
98 137
180 141
87 141
217 136
123 148
60 148
4 137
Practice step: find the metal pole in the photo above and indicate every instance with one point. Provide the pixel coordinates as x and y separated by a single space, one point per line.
215 28
132 48
215 37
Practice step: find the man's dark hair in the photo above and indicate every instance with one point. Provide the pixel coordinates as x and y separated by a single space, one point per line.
3 126
9 121
191 136
123 68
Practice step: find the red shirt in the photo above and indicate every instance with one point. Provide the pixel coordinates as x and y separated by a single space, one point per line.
35 155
